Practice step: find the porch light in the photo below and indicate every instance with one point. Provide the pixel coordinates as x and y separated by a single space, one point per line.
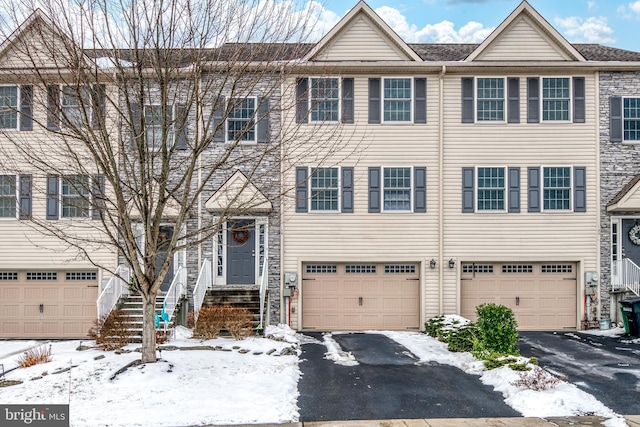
452 263
432 263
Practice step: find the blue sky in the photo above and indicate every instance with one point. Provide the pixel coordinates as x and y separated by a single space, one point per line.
608 22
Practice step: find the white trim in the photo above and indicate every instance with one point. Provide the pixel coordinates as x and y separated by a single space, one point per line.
254 117
338 183
476 98
61 179
411 100
17 197
309 99
628 141
411 190
571 189
81 105
504 190
18 106
257 221
542 99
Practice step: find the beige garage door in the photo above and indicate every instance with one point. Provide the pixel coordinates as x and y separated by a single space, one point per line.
47 304
541 295
360 296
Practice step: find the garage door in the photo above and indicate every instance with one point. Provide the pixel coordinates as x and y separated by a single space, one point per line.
360 296
541 295
47 304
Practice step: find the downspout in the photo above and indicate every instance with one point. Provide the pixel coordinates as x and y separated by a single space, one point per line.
441 189
285 315
612 313
198 132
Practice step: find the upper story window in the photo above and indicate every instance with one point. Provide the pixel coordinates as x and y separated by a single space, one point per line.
631 118
76 106
8 107
153 125
75 196
491 189
490 102
397 189
397 99
556 98
556 194
324 189
325 99
8 195
241 120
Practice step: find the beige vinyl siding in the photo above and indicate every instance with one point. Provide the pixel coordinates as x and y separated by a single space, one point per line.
523 41
35 47
361 41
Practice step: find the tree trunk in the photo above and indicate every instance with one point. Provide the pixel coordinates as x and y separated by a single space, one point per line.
149 328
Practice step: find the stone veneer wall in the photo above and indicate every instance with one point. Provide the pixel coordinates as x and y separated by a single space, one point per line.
619 163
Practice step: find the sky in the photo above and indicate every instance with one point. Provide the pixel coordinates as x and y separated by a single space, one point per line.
613 23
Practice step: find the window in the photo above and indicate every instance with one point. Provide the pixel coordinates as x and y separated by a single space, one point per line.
76 105
324 189
631 119
491 189
397 100
220 252
8 196
490 103
614 241
8 107
75 196
241 120
557 188
556 96
153 126
397 189
325 99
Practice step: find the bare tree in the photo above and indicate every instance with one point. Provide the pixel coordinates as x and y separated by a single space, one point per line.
138 106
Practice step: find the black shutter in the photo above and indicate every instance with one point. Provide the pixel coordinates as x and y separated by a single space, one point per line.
98 106
420 101
579 189
533 100
263 120
578 100
374 100
347 100
217 124
467 100
135 123
98 196
25 197
53 107
302 100
514 190
533 183
420 189
180 125
52 197
347 189
468 190
26 107
302 190
615 119
513 100
374 190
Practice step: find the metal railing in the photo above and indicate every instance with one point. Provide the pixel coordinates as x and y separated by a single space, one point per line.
202 284
263 291
625 274
116 287
176 291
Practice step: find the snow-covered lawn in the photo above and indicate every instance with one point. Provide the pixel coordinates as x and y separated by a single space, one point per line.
240 382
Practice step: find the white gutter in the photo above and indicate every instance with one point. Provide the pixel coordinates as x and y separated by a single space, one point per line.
441 191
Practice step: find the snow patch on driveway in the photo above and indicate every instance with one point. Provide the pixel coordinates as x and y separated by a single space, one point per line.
335 352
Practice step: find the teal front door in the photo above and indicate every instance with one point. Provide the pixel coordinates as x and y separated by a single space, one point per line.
241 252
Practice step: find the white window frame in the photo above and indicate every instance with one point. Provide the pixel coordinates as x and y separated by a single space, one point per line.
543 188
15 197
338 188
625 120
315 101
172 134
569 99
17 108
383 189
383 99
87 104
478 99
253 118
477 190
78 196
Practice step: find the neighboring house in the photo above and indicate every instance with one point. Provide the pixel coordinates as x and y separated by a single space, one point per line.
462 174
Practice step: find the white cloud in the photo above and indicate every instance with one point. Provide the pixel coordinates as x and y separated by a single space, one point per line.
591 5
632 10
590 30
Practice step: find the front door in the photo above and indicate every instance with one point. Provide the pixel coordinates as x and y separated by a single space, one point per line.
241 252
629 249
164 240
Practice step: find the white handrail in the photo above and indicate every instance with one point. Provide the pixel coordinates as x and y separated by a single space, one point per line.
202 284
116 287
176 291
625 275
263 291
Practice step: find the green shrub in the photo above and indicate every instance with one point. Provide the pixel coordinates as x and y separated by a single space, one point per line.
524 366
434 326
495 361
498 328
463 338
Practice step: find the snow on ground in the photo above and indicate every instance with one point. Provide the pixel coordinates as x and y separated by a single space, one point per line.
335 352
188 387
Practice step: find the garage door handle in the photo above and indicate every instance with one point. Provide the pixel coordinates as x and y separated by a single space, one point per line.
360 300
41 308
517 300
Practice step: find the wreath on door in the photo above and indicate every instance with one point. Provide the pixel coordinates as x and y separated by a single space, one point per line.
633 235
240 235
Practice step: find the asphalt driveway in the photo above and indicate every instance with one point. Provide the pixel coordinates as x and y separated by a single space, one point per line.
606 367
388 384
